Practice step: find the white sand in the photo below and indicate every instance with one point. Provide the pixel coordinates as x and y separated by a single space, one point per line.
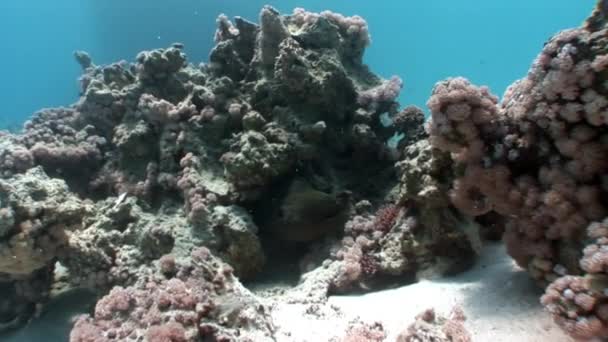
500 301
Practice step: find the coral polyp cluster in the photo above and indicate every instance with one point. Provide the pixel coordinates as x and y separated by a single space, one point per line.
538 160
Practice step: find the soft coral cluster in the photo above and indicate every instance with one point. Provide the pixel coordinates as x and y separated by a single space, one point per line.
363 332
538 160
394 241
59 141
523 159
38 212
463 116
579 304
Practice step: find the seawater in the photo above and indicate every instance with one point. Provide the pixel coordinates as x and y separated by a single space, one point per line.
490 42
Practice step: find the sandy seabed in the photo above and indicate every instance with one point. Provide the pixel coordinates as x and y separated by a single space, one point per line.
500 301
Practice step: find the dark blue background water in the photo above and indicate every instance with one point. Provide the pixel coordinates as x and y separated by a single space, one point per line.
491 42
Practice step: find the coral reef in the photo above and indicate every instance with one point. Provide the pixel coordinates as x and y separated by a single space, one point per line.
537 158
396 243
163 186
38 212
161 167
535 163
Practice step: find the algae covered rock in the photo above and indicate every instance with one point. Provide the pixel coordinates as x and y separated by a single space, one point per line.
36 215
42 212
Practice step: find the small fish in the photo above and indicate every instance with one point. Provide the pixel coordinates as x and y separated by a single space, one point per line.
119 200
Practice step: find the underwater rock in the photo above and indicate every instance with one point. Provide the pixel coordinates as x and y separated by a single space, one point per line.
353 32
238 232
84 59
23 297
158 65
425 175
42 212
425 181
410 122
117 243
36 215
256 160
272 33
235 47
14 157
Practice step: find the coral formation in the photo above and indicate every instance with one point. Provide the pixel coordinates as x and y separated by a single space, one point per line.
161 167
536 163
431 327
537 158
201 301
163 186
579 303
361 332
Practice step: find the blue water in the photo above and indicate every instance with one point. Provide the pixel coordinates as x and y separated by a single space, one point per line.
490 42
